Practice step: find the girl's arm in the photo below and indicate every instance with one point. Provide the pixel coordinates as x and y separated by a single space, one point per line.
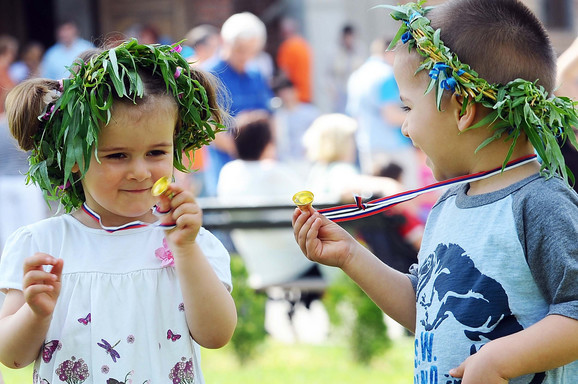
550 343
325 242
25 315
209 307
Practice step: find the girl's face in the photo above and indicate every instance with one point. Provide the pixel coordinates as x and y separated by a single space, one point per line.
134 150
434 132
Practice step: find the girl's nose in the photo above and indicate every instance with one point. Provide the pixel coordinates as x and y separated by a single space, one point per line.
139 170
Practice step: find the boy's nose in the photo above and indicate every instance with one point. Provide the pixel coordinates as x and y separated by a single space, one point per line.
404 130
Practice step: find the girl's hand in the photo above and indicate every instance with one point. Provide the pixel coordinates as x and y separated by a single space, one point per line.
321 240
41 288
183 211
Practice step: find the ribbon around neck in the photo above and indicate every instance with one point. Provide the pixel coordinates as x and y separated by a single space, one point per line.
131 225
360 210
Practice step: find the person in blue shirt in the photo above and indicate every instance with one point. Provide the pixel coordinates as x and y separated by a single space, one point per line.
244 36
67 49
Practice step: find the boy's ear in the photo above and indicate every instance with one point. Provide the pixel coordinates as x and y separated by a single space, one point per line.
75 168
465 117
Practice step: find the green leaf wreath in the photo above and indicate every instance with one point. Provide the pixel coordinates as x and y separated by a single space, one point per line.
72 123
518 106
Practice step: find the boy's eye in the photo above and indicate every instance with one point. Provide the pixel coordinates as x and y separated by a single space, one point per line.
405 108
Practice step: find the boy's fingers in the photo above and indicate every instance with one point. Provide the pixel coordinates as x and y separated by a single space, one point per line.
457 372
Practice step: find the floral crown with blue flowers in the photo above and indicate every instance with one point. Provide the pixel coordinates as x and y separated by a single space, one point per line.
71 124
518 106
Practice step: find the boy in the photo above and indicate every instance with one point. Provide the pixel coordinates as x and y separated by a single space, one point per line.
494 298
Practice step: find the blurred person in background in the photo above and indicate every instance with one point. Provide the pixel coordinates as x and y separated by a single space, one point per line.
243 37
204 42
294 58
69 45
8 52
334 175
292 117
348 57
28 66
373 100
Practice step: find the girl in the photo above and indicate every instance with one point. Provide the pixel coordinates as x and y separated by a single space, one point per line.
109 294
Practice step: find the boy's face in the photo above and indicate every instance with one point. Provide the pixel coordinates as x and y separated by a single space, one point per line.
434 132
134 150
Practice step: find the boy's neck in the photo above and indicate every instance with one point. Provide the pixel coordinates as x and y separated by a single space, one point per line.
504 179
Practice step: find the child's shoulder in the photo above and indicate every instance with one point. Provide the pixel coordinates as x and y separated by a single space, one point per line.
546 193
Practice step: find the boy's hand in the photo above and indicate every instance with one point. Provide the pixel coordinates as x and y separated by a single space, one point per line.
41 288
184 212
320 239
477 369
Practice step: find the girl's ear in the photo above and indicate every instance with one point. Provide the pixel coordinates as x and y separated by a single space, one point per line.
465 117
75 168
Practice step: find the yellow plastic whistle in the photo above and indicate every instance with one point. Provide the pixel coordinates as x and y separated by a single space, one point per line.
303 199
161 186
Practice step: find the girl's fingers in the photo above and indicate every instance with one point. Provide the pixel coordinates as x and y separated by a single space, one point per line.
38 289
38 260
38 277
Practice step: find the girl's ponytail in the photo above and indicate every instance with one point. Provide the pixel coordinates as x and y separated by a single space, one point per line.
26 105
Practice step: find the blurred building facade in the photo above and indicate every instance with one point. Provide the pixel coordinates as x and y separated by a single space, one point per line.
321 21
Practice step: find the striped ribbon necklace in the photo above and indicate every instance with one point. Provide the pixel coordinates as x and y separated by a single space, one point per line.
131 225
361 209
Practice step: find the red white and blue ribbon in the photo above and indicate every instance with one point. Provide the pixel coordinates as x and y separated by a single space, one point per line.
131 225
360 209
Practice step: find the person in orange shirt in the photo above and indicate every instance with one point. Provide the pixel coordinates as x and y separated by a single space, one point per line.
295 59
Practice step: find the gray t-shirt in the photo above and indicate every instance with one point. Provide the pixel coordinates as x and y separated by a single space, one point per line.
492 265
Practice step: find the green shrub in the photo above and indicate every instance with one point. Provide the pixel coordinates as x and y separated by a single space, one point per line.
349 308
250 331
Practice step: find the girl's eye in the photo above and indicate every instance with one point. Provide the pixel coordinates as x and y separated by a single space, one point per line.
116 156
405 108
157 153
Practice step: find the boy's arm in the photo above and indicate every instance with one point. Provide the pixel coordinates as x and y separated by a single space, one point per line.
325 242
548 344
390 289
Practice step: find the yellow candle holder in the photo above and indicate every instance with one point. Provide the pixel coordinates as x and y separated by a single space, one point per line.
303 200
161 186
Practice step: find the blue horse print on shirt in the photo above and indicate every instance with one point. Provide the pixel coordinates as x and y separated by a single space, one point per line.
457 289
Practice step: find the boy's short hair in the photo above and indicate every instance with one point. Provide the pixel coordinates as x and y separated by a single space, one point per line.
501 40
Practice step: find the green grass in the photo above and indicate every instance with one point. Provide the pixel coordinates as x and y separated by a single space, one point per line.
279 363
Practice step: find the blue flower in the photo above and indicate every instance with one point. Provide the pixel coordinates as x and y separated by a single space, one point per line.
406 37
437 68
449 84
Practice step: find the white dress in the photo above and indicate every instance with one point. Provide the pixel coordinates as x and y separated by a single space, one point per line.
120 316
